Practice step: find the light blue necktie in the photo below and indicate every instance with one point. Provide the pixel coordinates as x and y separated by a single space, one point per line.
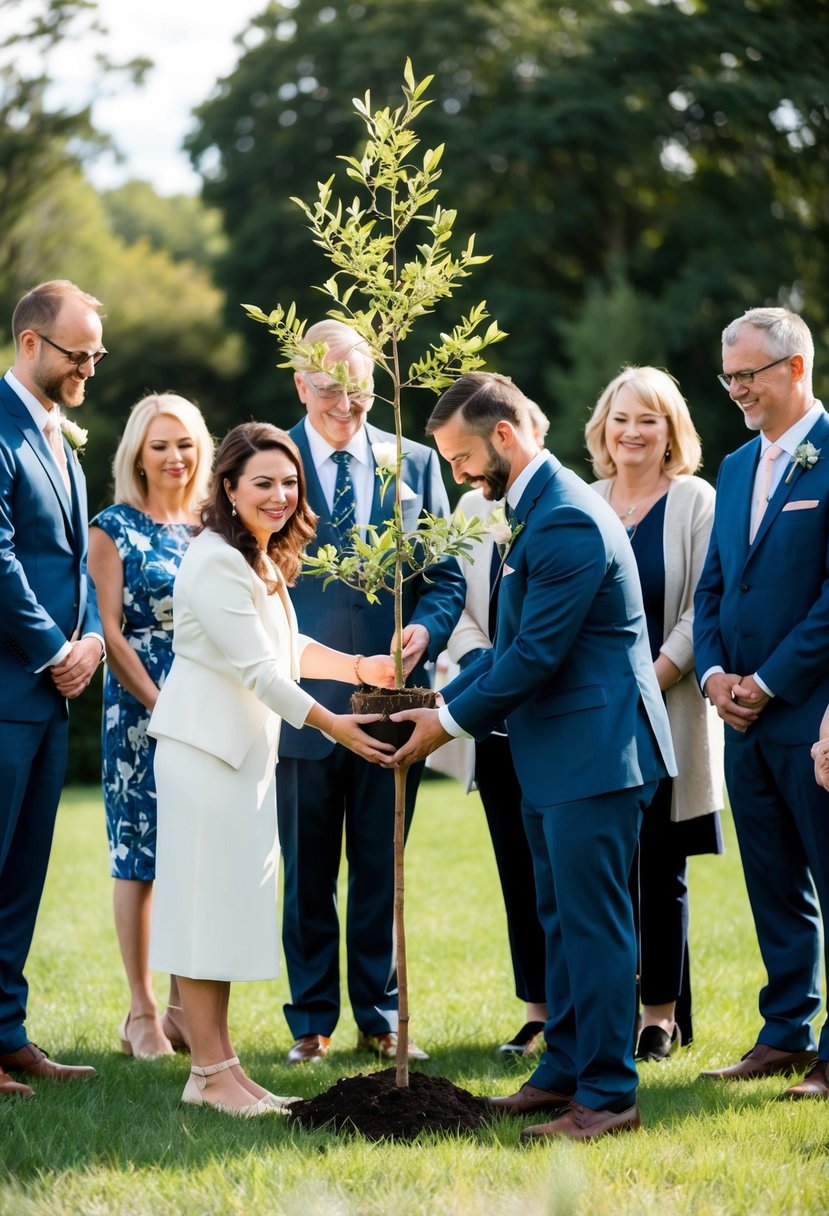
344 510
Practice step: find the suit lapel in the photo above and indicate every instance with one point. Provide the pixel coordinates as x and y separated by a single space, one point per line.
817 436
379 510
37 442
533 491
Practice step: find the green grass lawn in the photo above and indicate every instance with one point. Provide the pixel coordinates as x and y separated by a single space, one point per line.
123 1145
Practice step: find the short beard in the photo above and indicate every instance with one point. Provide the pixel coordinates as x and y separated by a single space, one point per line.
53 388
496 475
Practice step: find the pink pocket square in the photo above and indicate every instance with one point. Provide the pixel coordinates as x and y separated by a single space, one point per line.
508 570
804 504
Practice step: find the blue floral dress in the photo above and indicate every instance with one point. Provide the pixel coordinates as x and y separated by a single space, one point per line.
151 554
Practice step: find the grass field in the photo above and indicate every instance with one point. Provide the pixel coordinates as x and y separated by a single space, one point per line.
122 1145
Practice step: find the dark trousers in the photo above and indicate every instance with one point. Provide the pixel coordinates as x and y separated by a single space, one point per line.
659 893
319 801
782 821
32 771
501 798
582 854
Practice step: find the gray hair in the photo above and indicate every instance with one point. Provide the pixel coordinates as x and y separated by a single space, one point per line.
786 333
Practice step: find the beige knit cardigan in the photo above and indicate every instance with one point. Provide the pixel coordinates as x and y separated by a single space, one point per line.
696 728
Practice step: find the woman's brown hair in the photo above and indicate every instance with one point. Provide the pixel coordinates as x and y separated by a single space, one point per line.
285 548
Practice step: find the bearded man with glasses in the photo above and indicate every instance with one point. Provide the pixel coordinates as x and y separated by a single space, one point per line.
761 641
52 635
325 792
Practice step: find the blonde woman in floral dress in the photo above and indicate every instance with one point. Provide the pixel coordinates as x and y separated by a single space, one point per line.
161 470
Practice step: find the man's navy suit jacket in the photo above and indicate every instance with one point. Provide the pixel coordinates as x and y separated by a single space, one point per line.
571 668
764 607
46 597
342 618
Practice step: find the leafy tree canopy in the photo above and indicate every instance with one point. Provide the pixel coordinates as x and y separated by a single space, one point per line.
623 160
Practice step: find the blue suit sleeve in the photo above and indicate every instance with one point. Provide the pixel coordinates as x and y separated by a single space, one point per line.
441 592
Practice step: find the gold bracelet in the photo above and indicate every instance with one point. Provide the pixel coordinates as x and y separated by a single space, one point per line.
357 660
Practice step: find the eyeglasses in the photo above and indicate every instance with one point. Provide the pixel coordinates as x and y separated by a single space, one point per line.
745 378
78 357
333 391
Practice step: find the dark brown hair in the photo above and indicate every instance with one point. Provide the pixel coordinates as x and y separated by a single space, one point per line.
483 399
285 548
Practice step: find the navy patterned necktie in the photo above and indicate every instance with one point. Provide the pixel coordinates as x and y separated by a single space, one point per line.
344 510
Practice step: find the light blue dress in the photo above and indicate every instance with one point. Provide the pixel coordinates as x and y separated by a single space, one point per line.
151 554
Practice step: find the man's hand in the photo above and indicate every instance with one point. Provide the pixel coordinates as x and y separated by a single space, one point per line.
719 688
77 669
345 729
415 645
820 755
428 735
750 695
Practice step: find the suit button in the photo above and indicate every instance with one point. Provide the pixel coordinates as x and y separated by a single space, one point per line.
745 587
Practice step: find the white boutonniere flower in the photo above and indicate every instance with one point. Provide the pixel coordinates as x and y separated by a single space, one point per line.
385 461
806 456
76 436
501 530
385 455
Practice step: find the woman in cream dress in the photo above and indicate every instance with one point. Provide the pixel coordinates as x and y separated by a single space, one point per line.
237 659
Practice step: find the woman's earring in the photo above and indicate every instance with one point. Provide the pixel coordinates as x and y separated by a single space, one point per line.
141 472
233 505
668 452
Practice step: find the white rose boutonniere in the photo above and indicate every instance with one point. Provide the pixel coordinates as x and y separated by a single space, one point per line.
76 436
806 456
385 460
501 530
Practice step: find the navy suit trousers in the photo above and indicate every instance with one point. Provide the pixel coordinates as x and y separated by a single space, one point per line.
32 770
782 821
318 800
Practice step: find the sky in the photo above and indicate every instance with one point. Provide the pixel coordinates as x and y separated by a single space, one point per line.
191 44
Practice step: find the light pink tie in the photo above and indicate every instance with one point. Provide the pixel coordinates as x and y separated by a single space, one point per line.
769 456
53 436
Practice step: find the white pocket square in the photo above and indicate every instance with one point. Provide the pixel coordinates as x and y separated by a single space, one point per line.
508 570
804 504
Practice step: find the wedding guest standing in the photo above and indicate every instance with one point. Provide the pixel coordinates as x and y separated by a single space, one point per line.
49 622
161 471
217 719
326 794
644 447
761 637
494 772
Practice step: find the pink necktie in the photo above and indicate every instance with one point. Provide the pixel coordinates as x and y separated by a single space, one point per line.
769 456
53 436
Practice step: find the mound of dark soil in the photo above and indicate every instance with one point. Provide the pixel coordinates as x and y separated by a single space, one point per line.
374 1106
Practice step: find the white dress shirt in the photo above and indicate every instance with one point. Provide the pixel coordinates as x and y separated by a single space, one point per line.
361 467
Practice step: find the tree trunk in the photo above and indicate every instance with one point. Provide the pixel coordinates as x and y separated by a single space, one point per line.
402 1077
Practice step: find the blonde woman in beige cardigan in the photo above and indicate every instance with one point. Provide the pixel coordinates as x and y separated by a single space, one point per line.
646 451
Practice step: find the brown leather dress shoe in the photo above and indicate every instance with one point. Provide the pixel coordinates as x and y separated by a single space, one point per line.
36 1063
309 1048
814 1085
529 1100
10 1087
385 1046
581 1123
763 1061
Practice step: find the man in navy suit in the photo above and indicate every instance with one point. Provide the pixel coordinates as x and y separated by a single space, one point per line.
571 672
321 787
48 621
761 641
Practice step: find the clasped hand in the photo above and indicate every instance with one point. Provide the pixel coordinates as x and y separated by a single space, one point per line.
739 700
72 675
820 755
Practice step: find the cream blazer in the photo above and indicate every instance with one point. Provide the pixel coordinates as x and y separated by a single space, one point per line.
235 664
696 727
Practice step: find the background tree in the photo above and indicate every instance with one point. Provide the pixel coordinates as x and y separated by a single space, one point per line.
655 160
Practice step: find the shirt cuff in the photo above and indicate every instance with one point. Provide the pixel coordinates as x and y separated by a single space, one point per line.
57 658
763 685
450 725
712 671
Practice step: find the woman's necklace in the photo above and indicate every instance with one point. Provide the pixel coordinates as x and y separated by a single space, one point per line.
646 501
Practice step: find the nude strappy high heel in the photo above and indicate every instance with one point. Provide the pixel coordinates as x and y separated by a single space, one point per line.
130 1043
197 1082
